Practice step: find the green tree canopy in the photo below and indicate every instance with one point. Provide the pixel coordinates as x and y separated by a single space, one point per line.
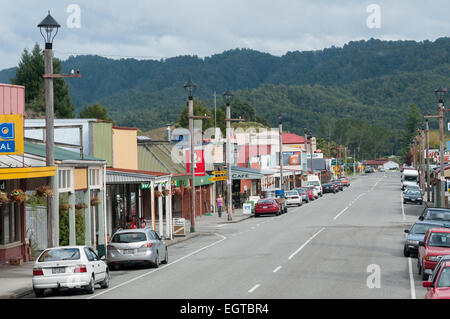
29 74
95 111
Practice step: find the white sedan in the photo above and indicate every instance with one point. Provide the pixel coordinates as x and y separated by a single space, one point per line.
293 198
69 267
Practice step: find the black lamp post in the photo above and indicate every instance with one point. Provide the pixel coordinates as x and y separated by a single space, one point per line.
440 93
190 88
48 29
280 155
309 135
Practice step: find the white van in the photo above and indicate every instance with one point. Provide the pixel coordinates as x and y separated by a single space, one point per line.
410 177
314 180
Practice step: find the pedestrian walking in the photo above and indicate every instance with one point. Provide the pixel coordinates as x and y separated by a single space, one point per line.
219 201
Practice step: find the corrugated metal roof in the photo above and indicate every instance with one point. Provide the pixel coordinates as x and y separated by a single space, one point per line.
60 153
120 177
157 157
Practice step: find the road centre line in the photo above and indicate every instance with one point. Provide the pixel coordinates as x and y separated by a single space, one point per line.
158 269
254 288
306 243
276 269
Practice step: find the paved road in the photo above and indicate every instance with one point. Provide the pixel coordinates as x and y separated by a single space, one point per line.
330 248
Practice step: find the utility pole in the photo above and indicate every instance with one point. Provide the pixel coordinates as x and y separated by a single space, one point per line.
192 161
228 98
428 160
280 154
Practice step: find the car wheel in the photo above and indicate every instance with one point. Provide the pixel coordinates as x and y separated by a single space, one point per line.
112 266
90 289
419 268
157 261
256 215
404 202
166 258
420 203
105 283
39 292
406 252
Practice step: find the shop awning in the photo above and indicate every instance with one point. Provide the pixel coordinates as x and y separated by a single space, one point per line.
27 172
120 177
199 180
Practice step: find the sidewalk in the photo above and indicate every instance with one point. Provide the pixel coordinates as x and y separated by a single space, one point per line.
15 281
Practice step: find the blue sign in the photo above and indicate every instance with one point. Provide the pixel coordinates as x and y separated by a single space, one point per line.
7 142
447 145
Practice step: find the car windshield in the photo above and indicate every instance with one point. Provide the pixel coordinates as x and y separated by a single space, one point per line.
444 278
410 178
292 193
265 201
60 254
439 240
301 190
129 237
437 215
413 192
314 183
421 228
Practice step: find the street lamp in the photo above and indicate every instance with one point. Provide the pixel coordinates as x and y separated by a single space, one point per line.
440 93
190 88
280 143
48 29
310 151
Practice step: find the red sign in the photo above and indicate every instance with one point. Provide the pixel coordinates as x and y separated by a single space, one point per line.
199 162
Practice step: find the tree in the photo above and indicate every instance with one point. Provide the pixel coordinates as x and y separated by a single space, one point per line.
29 74
413 118
95 111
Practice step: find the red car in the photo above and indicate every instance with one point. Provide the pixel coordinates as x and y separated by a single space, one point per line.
345 182
310 193
435 244
267 206
439 286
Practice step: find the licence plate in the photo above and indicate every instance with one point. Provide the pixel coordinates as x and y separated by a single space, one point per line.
58 270
264 206
413 200
128 251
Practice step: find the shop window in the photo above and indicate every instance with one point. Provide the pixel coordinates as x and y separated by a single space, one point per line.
94 178
9 223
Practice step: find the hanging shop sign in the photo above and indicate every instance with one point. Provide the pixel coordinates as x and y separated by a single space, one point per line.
11 134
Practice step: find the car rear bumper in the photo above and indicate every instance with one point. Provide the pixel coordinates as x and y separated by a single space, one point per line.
66 281
266 211
117 257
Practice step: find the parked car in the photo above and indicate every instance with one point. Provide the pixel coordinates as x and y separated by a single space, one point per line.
436 214
416 234
304 193
72 267
293 198
329 188
439 285
345 182
267 206
279 195
436 244
339 184
310 193
137 246
412 187
314 190
412 196
432 274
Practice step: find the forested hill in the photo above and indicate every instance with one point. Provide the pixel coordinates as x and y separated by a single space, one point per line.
373 80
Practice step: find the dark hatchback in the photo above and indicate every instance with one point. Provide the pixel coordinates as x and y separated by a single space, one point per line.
416 234
413 196
339 185
329 188
441 215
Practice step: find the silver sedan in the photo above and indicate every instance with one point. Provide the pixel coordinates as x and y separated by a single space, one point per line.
137 246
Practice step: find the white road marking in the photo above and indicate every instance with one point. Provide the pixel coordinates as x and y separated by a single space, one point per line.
306 243
403 207
411 279
162 268
342 211
254 288
276 269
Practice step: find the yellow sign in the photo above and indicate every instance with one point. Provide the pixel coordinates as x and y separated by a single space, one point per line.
11 134
219 172
218 178
336 169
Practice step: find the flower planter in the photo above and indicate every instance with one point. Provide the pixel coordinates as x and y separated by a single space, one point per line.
17 196
3 198
44 191
95 201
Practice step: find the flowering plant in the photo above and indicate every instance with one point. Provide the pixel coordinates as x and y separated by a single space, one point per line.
17 196
177 191
80 206
158 194
64 206
44 191
95 201
166 192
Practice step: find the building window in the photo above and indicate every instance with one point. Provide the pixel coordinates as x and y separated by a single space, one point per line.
9 223
94 178
65 179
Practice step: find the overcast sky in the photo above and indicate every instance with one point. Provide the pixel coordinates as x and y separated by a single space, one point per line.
154 29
